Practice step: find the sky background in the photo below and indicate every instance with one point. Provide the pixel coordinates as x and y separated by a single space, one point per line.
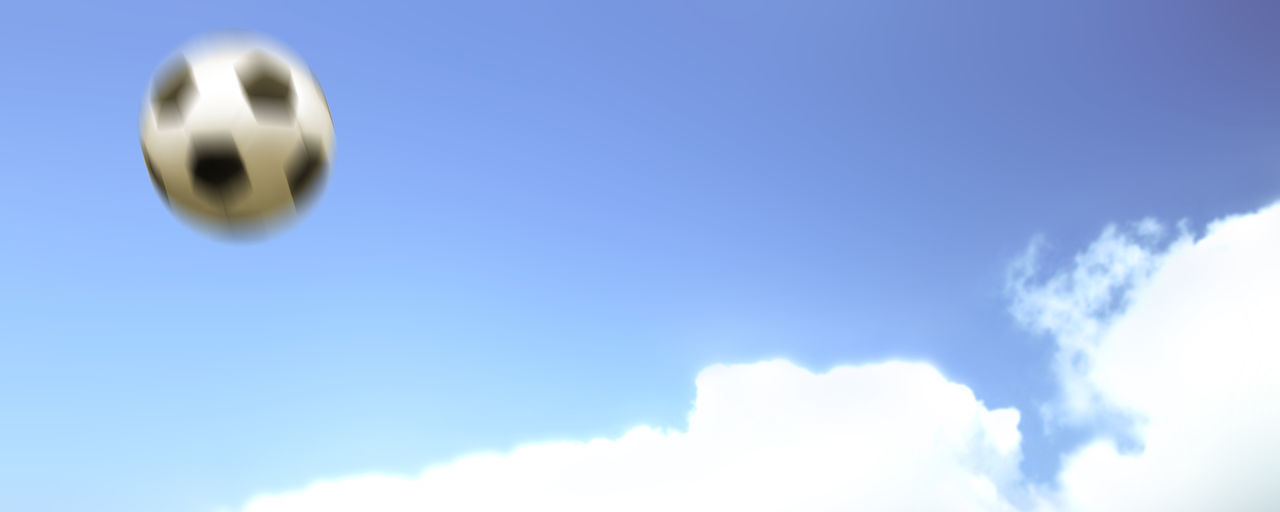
544 220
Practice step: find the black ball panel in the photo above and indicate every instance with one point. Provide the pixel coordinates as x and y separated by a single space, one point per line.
268 87
173 93
217 169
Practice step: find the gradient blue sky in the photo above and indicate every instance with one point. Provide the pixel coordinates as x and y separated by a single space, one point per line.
545 219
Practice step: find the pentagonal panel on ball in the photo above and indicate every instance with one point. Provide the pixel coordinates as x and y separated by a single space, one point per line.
174 92
268 86
217 171
306 170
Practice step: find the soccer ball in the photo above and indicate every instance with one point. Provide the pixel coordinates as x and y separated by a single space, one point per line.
236 133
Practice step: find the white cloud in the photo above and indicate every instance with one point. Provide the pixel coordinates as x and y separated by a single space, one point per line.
1180 336
1190 357
1077 306
767 436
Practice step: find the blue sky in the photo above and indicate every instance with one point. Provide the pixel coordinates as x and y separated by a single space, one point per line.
544 220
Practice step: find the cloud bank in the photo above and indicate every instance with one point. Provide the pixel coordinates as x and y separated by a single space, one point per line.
1173 335
766 436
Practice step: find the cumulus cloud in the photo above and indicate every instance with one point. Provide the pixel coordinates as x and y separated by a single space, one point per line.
1177 335
1184 343
761 437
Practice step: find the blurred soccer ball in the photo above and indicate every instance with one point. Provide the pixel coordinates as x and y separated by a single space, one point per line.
236 132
